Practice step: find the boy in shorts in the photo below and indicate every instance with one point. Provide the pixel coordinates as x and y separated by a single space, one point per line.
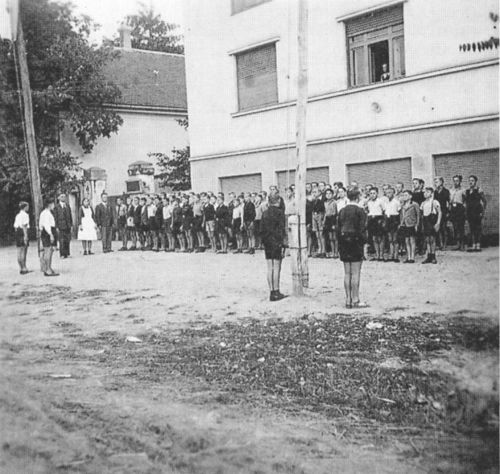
48 237
318 221
409 222
431 217
21 226
376 223
392 208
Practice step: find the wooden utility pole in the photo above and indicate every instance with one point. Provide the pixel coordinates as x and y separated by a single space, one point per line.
30 146
298 237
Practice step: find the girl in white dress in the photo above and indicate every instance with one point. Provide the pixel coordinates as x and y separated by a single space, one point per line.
87 232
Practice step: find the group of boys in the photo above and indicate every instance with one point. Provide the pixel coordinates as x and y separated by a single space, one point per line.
399 221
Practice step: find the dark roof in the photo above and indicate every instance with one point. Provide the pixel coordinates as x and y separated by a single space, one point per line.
149 79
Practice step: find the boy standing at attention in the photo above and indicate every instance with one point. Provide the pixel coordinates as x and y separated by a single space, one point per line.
409 222
376 223
431 212
392 209
21 226
318 221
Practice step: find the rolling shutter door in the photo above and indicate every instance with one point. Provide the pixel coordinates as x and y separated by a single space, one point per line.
381 172
375 21
241 184
313 175
484 165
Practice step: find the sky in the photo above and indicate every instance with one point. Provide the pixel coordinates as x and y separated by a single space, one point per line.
109 13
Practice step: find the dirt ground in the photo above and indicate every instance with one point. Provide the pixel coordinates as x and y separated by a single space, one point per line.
76 396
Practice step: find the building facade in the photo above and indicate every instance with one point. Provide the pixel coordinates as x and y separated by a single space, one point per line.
153 100
392 94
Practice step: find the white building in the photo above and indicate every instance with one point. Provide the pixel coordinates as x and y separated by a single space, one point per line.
437 114
153 88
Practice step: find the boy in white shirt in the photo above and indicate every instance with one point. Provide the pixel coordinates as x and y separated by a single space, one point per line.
392 209
431 212
376 223
21 226
48 237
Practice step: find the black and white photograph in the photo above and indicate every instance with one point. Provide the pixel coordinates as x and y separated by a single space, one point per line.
249 236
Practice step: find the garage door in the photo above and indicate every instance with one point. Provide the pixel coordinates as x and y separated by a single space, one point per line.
286 178
241 184
484 165
381 172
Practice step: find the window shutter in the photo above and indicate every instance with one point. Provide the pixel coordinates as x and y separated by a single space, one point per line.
241 5
381 172
312 175
398 51
375 21
257 79
250 183
359 67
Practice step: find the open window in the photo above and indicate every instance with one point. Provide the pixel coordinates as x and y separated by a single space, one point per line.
376 46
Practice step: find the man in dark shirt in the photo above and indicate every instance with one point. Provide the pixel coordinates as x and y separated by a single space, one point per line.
248 222
318 221
442 195
105 220
273 235
64 221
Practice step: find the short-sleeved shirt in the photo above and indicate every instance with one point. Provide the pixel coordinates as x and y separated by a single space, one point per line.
22 220
430 206
237 212
392 207
47 221
375 207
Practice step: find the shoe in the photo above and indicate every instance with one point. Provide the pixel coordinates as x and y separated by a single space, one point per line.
410 261
90 253
53 274
359 304
395 260
121 249
24 272
470 249
251 251
427 260
85 252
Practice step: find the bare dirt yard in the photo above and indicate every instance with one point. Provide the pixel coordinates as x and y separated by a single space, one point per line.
137 362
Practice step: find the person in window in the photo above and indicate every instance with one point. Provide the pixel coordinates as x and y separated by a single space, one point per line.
351 236
385 76
475 206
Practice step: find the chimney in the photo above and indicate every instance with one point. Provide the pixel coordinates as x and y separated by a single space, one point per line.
125 30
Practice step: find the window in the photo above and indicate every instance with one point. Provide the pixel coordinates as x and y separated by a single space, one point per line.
238 6
257 80
376 47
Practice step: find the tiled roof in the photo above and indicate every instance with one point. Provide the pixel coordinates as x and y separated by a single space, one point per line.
149 79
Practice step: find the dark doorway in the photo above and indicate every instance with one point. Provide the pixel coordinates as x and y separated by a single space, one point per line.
379 55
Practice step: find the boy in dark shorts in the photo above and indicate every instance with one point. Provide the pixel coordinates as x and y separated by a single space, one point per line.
273 234
431 217
21 226
409 222
376 223
48 237
392 208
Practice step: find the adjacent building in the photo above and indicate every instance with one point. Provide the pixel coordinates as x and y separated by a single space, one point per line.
392 94
153 99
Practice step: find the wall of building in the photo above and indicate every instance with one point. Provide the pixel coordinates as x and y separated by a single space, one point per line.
433 32
139 135
419 145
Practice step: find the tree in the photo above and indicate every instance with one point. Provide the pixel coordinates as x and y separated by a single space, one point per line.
68 90
152 33
175 169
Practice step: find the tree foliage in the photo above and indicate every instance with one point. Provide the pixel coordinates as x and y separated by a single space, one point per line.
152 33
175 169
68 90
